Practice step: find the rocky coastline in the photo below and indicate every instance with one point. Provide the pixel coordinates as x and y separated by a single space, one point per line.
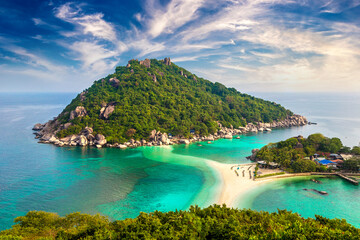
46 133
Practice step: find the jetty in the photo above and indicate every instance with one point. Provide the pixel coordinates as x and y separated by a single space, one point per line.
341 175
353 181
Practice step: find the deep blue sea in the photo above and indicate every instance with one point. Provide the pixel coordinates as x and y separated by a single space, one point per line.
121 183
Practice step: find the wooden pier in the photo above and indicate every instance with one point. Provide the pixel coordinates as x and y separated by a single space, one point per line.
353 181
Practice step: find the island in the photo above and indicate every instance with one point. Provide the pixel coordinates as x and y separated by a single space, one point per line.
155 102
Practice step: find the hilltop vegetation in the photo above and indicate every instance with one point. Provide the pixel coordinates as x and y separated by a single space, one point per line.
214 222
290 153
138 98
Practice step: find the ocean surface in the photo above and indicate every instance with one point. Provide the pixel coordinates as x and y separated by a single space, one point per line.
121 183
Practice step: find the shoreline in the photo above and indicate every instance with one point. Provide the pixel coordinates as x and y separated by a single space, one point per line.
233 187
46 133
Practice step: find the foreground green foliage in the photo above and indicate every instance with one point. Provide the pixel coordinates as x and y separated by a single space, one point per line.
214 222
173 104
290 153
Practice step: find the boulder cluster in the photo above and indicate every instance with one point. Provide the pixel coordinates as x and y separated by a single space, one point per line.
146 63
167 61
47 132
79 111
84 138
106 110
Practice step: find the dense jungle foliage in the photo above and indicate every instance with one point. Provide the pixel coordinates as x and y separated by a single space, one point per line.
214 222
290 153
174 104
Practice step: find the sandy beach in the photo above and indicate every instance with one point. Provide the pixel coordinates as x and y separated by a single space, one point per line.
236 180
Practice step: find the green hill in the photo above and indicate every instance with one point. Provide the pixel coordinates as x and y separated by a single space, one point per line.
214 222
157 94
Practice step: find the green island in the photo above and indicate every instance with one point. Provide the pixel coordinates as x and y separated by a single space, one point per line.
316 153
214 222
155 102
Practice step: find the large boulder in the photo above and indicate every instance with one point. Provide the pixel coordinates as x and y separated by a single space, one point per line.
184 141
86 131
145 62
82 140
114 82
90 138
106 111
209 138
100 139
83 95
79 111
38 127
228 136
164 138
167 61
66 125
153 135
47 137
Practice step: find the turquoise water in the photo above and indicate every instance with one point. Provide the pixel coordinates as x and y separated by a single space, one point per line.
121 183
342 200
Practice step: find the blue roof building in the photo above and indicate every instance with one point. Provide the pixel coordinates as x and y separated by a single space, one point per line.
325 162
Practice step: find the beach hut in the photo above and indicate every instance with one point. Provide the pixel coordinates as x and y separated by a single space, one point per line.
262 164
273 165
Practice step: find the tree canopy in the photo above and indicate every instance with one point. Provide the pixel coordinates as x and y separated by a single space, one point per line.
214 222
290 153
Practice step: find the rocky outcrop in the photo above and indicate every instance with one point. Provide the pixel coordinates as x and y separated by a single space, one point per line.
100 139
83 95
38 127
79 111
253 155
146 63
47 133
107 110
114 82
167 61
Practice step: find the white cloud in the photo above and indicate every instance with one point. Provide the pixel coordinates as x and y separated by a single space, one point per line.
94 56
93 24
38 21
174 15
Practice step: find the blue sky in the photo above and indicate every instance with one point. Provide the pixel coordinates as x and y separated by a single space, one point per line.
254 45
